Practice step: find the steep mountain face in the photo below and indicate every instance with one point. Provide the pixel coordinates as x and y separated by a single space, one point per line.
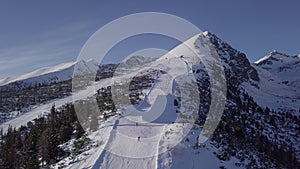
266 95
235 62
262 103
272 81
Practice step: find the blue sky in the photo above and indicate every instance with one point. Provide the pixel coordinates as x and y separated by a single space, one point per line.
35 34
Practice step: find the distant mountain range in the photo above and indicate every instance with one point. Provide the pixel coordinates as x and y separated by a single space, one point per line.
48 75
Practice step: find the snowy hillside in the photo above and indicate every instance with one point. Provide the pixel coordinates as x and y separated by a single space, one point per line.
48 75
138 60
282 67
279 82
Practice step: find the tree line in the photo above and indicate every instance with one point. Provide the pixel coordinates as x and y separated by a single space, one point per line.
37 144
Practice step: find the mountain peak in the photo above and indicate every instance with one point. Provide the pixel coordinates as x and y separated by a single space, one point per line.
276 56
275 52
232 59
206 33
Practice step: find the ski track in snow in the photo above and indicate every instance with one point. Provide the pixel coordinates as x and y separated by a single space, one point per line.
124 150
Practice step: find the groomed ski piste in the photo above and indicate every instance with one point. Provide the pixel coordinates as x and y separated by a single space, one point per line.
161 143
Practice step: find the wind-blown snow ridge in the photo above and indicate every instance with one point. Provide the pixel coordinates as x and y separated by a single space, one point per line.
39 72
56 73
276 56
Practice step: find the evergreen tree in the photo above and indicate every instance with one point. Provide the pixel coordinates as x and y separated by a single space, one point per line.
44 147
30 151
8 150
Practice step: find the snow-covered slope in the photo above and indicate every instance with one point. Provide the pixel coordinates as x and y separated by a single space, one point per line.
138 60
279 82
36 73
282 68
61 72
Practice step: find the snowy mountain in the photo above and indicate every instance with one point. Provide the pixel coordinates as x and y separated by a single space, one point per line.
48 75
282 67
280 82
259 127
138 60
273 81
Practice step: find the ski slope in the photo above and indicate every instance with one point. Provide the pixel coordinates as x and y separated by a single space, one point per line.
124 150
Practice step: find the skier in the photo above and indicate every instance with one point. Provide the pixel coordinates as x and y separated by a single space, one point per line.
139 138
